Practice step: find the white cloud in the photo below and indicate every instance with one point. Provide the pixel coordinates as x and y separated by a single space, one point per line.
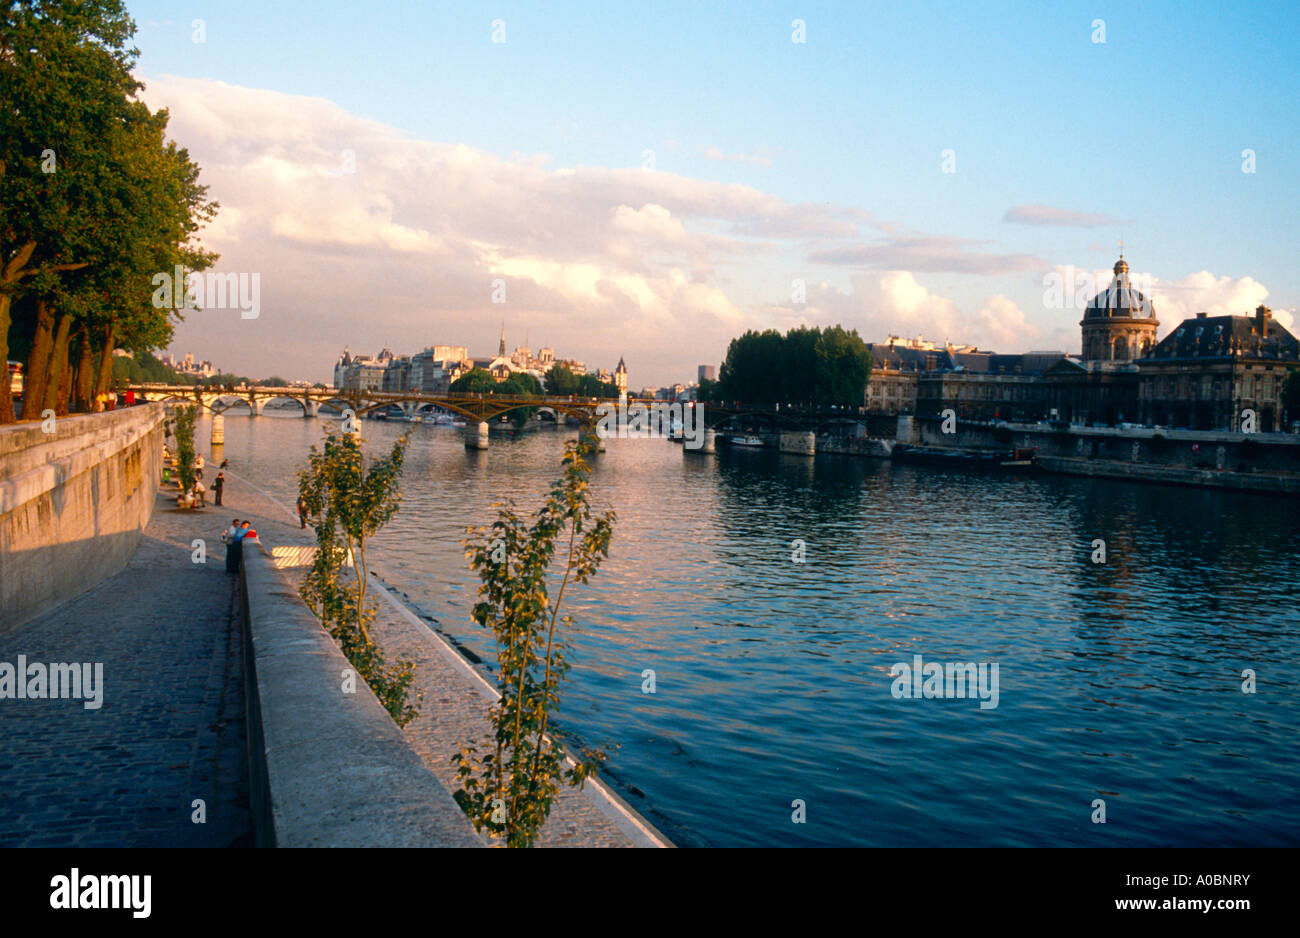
1047 215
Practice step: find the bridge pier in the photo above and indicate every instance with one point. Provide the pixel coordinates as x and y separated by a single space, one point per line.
310 408
799 443
256 406
476 435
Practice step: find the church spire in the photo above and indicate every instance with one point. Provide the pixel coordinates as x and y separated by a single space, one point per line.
501 349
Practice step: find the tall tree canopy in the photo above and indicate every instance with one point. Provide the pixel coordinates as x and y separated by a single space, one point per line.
806 367
94 201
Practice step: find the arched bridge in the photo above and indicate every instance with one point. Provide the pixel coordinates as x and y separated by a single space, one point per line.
473 407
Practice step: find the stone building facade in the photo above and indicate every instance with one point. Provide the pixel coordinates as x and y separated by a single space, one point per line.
1202 376
1212 369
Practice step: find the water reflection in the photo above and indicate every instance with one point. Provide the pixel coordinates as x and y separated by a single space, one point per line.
1119 680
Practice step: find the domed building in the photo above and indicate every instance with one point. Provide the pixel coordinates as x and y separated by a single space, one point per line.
1120 322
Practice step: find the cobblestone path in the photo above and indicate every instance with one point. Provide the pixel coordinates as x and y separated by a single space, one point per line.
171 727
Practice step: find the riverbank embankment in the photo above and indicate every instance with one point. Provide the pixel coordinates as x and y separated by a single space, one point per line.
76 494
455 695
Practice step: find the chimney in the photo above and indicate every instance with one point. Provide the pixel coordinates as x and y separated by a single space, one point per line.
1261 320
1200 315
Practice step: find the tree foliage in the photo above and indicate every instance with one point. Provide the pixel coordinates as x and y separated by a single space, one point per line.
93 201
561 381
348 503
807 367
185 452
508 787
1291 398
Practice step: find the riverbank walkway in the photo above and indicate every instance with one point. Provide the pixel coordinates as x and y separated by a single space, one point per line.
171 727
170 730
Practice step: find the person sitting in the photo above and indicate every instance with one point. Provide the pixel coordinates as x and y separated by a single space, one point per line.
199 490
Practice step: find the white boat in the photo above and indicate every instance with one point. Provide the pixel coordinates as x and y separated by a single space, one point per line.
746 441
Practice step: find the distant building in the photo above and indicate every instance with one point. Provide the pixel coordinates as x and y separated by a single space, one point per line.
1210 369
397 374
189 366
620 376
708 373
1202 376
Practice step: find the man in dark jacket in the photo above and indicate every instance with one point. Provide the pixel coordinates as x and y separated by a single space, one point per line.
234 549
218 484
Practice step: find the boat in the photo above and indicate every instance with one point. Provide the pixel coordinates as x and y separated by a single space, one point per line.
751 441
1014 460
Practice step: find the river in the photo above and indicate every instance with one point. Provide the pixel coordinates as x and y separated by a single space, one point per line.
1118 681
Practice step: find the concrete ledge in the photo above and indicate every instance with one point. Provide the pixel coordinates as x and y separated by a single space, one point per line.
1140 472
328 769
635 829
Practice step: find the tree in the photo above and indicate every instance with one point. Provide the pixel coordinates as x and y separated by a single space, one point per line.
805 367
1291 398
561 381
842 369
185 418
93 200
516 386
509 788
591 386
349 503
474 381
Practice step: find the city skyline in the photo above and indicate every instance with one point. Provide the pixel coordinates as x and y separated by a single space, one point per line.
622 210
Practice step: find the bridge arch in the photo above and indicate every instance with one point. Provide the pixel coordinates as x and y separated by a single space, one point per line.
267 399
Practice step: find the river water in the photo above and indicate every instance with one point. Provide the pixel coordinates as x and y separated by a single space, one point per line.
1119 682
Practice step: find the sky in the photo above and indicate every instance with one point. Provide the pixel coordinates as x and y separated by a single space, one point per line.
649 181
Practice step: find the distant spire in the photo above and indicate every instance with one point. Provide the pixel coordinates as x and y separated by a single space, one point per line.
501 350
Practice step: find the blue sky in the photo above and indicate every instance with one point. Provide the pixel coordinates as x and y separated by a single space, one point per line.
1144 131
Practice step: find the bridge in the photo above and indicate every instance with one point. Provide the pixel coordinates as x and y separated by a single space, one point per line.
473 407
481 409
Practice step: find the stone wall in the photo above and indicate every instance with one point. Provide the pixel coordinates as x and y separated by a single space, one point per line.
73 503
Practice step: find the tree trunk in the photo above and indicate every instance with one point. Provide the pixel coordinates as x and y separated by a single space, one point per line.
6 386
10 274
84 388
38 362
56 390
105 361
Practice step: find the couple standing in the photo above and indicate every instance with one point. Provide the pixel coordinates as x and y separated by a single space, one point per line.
233 538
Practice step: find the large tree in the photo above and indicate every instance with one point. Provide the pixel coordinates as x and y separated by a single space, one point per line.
805 367
93 200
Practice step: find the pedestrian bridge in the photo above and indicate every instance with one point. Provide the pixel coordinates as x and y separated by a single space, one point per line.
476 408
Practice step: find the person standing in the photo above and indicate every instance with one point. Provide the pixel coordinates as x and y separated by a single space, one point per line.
198 465
218 484
199 490
234 549
302 512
